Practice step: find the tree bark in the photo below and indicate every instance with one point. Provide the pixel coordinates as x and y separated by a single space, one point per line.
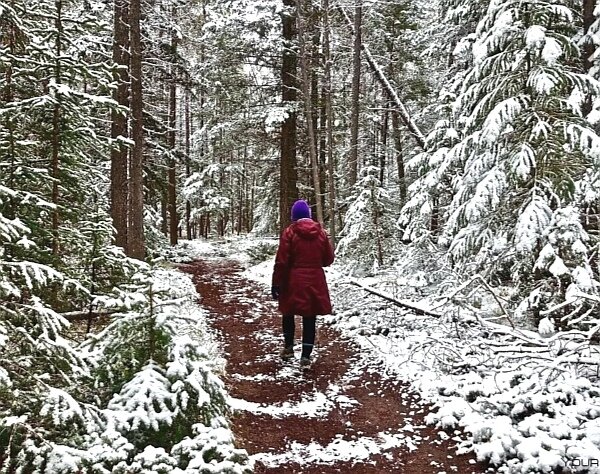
588 49
251 205
318 118
188 133
135 244
329 118
355 104
56 130
399 157
164 205
288 187
376 224
592 224
383 151
172 194
308 110
243 219
588 21
322 155
10 124
119 152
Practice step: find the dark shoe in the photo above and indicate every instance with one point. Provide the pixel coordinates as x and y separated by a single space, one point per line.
287 353
304 362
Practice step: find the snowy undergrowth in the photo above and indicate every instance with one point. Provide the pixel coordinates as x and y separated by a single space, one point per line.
530 402
525 410
150 401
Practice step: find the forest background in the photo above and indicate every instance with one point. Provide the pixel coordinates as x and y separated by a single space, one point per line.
459 136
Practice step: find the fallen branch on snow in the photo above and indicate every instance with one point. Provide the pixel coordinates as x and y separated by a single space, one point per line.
385 296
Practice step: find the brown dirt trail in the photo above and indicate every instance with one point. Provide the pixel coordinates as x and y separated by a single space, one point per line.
339 416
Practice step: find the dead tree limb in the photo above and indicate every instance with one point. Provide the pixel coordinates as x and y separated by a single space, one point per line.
394 301
486 286
402 112
83 315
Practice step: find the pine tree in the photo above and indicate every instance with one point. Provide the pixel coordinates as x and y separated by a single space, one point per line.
369 226
204 191
517 144
57 253
563 274
157 386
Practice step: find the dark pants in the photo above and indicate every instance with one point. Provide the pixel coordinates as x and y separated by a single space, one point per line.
308 332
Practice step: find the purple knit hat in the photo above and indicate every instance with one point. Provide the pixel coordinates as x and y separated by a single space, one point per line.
300 210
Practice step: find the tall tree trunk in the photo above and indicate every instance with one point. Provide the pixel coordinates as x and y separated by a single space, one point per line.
312 63
251 204
56 129
376 224
188 132
244 194
318 106
588 49
172 195
288 187
221 215
164 207
118 131
399 156
592 220
308 109
588 20
383 152
353 158
94 266
10 125
135 237
322 155
329 116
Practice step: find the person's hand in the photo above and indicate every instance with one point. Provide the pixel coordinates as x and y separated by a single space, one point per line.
275 292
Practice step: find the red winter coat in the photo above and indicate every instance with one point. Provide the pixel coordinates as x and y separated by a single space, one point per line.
304 250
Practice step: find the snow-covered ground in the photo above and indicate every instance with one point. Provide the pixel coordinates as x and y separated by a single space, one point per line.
530 403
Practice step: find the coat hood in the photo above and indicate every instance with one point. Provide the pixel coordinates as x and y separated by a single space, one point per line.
307 229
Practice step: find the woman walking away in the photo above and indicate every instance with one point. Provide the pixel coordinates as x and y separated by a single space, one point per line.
299 280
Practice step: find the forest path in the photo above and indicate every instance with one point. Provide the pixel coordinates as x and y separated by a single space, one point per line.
339 416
